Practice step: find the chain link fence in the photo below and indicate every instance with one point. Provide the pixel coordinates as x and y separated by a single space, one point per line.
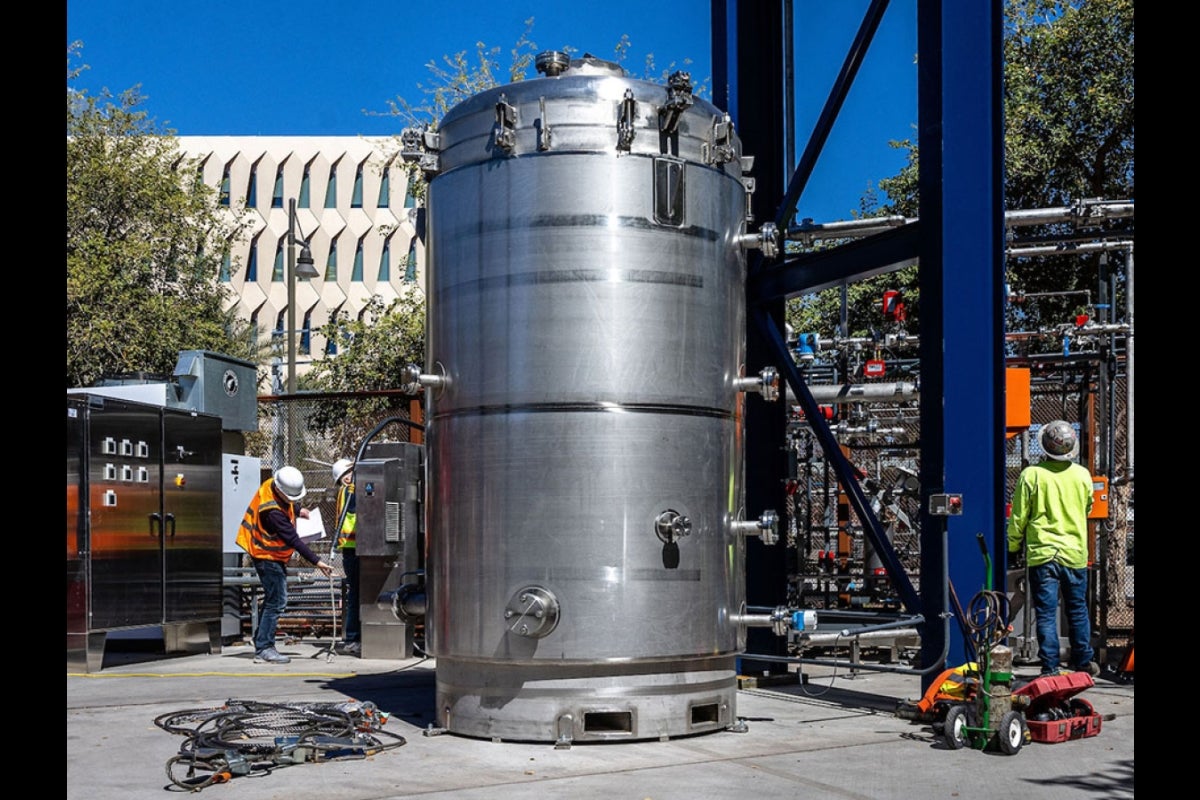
831 563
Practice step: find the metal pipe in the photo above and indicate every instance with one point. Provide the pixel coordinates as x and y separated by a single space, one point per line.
1085 211
833 637
1068 248
1129 364
864 393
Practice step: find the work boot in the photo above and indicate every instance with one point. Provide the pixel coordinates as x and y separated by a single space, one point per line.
1091 668
271 656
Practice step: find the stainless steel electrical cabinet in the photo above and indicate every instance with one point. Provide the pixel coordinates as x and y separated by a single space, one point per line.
144 538
388 484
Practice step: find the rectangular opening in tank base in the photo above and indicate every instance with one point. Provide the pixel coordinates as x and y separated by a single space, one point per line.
608 722
706 714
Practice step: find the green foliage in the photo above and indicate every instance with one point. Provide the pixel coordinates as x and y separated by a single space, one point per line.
373 351
144 244
1069 136
1068 107
458 77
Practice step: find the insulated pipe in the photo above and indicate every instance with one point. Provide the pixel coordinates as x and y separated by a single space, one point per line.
833 637
865 393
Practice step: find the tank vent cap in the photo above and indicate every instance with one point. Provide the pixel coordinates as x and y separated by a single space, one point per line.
552 62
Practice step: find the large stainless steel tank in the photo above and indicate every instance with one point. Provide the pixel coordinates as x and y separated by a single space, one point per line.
585 342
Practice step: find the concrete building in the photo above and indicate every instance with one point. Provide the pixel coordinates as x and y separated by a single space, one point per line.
354 206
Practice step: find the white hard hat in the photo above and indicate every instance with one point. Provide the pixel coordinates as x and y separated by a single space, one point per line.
341 467
1058 440
290 482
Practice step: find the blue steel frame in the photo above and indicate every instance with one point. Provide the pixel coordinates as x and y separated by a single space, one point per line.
959 244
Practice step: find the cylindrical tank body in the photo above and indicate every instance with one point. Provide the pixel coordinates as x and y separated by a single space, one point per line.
586 314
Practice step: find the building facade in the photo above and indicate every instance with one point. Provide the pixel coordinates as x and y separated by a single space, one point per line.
354 207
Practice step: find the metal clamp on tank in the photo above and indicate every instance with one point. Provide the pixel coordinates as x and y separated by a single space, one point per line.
767 240
505 130
679 97
766 527
420 146
766 384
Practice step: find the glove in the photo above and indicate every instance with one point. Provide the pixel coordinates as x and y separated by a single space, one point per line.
1015 560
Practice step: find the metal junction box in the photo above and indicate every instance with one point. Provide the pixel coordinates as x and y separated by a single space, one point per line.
387 483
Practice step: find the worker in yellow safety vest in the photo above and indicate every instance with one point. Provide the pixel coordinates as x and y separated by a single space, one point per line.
347 520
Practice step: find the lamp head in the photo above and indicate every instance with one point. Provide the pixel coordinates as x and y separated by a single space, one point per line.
305 267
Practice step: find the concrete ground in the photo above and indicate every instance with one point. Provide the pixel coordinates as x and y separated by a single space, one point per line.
827 735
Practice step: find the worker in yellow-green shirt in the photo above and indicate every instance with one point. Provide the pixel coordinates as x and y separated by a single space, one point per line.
1049 519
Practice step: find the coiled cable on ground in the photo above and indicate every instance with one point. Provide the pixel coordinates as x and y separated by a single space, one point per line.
244 737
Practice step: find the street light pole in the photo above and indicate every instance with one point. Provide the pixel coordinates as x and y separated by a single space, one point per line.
306 270
291 298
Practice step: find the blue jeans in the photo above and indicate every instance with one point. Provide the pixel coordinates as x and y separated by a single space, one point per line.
1047 582
353 621
273 577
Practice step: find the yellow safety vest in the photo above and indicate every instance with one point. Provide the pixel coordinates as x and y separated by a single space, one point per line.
349 521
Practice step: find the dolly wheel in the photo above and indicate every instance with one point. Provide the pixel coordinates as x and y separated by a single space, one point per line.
1012 733
955 727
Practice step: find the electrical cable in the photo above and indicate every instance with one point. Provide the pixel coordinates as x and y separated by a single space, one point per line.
245 737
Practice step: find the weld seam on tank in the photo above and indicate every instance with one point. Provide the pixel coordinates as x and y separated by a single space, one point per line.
585 222
548 277
593 693
610 408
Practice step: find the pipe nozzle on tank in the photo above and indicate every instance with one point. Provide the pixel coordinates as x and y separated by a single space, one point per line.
767 240
766 384
781 621
414 378
766 527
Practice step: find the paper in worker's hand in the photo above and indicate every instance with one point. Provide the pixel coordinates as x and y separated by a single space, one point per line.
311 528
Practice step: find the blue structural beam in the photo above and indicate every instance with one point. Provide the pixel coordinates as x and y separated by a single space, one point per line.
959 243
749 79
960 129
858 260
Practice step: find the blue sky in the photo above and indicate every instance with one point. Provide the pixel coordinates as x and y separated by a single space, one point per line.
304 67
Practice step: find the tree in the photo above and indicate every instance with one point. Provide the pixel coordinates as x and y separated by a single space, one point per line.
373 352
145 244
374 349
1068 137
